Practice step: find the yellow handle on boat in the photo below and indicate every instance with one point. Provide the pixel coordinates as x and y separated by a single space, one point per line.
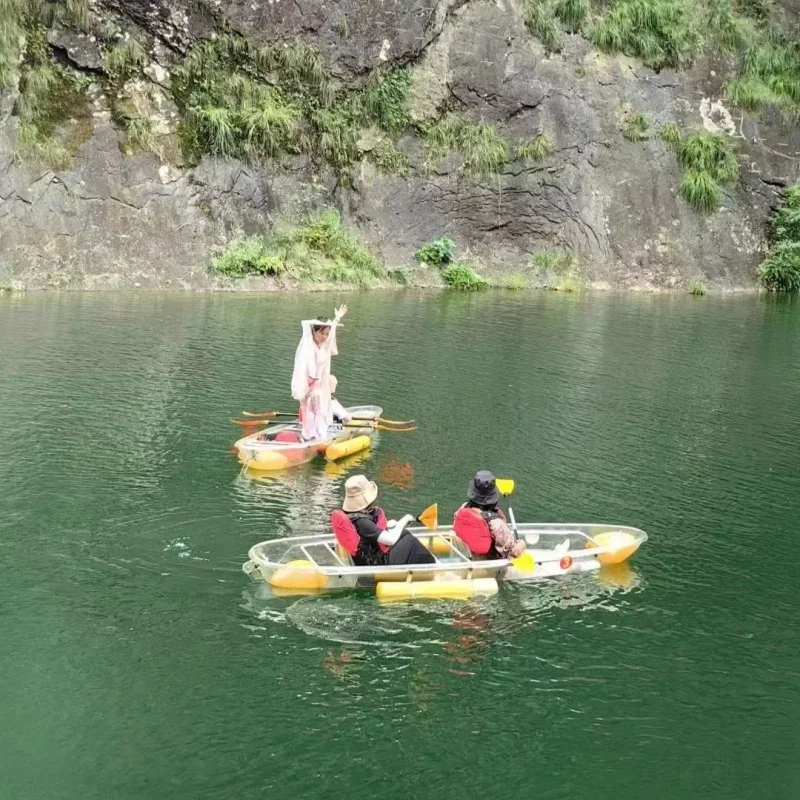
524 563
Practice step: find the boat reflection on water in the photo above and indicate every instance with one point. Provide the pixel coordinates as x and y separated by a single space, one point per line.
619 576
471 641
397 474
333 469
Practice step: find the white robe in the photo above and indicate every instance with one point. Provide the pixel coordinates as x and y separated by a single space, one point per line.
312 362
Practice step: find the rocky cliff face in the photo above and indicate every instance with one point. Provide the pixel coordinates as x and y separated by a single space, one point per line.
117 219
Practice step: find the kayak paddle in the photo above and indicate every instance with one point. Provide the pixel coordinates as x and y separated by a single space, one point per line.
269 414
524 562
430 517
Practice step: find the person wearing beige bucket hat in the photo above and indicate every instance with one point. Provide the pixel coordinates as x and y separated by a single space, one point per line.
379 542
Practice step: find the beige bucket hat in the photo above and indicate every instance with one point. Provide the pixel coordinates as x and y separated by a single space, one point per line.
359 493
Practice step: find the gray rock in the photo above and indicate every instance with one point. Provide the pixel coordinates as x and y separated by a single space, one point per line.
117 221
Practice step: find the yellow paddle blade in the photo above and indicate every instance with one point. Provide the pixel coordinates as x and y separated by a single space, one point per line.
430 517
524 563
505 485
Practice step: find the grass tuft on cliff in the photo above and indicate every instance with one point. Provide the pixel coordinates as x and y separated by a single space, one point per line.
671 134
542 21
709 162
388 159
238 101
536 149
49 94
780 270
318 250
122 61
634 127
662 33
483 149
769 76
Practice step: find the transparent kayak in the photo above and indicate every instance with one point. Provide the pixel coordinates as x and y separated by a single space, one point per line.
268 449
316 563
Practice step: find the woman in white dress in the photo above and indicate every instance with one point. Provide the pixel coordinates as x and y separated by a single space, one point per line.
311 384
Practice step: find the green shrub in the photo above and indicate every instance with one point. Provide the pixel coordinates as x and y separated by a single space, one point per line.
387 158
785 223
464 278
438 253
698 289
671 134
709 162
634 127
325 235
780 270
536 149
250 256
319 249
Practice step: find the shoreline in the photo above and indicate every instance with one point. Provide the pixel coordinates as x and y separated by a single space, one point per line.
171 289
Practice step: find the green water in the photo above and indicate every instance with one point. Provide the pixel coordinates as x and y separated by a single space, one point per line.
137 660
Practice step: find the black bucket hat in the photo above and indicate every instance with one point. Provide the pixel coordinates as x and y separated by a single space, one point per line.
483 490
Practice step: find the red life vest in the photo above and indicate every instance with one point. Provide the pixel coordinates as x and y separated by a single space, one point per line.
346 533
470 526
286 436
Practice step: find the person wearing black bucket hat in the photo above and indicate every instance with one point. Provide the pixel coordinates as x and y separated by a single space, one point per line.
482 489
481 523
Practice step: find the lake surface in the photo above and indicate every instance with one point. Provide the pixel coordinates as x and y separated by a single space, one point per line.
138 661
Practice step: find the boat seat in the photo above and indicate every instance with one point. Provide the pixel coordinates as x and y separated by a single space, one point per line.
287 436
345 532
473 531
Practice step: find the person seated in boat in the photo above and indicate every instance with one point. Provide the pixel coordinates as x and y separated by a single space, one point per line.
481 524
362 529
340 415
312 372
